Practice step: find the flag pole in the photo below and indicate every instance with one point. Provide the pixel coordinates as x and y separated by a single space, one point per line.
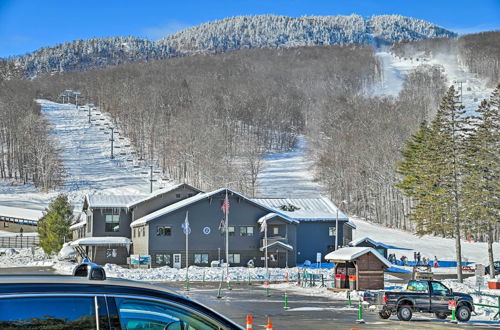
227 238
265 242
186 229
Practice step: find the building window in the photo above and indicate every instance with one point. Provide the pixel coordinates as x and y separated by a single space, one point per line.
246 231
111 253
133 232
177 195
162 259
276 230
163 231
234 258
332 231
190 195
201 258
112 223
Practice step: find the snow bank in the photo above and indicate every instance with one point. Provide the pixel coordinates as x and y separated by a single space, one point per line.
26 257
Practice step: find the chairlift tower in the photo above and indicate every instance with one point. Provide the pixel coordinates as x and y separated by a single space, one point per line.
112 140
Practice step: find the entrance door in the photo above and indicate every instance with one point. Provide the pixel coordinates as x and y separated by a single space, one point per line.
177 261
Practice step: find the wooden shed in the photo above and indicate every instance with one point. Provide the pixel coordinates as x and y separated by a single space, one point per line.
358 268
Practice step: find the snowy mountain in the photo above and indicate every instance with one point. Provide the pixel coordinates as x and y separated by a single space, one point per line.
234 33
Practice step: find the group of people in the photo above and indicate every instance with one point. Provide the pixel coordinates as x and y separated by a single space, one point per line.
417 258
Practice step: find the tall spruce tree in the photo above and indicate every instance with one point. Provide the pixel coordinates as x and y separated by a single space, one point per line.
53 229
481 181
432 168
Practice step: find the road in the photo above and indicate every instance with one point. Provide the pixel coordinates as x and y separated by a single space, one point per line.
305 312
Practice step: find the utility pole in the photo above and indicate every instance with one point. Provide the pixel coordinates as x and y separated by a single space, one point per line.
112 140
89 113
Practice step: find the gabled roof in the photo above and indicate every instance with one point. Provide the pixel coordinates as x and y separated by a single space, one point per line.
278 243
197 198
161 192
304 209
367 239
351 253
128 201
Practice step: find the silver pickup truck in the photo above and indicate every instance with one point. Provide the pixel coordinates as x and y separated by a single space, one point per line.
420 296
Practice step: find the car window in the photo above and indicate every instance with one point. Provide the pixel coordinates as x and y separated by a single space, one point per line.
145 314
439 288
420 286
496 264
47 313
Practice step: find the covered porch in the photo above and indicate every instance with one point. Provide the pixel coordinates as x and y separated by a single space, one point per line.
103 250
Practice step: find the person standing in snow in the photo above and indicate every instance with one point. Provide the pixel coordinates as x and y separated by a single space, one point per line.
418 258
415 256
436 262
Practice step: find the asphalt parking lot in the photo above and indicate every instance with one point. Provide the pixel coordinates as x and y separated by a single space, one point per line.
305 312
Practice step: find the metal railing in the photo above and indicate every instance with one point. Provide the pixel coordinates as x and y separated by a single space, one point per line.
497 307
19 242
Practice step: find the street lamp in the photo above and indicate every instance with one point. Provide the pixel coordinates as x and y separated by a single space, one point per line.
337 225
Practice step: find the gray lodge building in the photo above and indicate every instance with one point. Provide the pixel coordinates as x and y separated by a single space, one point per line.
114 227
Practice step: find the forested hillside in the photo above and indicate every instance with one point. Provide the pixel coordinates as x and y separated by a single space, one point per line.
208 120
26 153
241 32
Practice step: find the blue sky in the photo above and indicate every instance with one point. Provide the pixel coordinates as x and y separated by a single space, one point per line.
26 25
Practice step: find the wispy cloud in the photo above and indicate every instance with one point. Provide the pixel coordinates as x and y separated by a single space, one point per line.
476 28
164 30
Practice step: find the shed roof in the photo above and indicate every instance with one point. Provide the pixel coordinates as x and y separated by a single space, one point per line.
305 209
351 253
20 213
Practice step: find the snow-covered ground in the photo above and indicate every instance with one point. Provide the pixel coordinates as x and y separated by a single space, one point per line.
85 152
429 246
288 174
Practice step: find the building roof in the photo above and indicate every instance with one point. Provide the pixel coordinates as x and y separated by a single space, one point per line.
368 239
108 240
111 201
304 209
128 201
20 213
351 253
278 243
188 201
160 192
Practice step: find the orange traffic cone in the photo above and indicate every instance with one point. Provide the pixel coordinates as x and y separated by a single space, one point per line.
249 322
269 326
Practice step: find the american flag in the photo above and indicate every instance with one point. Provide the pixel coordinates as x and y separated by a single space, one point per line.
225 206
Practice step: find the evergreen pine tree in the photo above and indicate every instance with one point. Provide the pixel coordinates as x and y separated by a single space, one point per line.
53 229
481 182
432 170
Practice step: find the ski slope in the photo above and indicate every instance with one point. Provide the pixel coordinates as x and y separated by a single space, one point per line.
85 150
288 174
395 69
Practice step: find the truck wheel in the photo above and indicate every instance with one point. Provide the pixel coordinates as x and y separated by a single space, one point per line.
384 314
441 316
463 313
404 313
